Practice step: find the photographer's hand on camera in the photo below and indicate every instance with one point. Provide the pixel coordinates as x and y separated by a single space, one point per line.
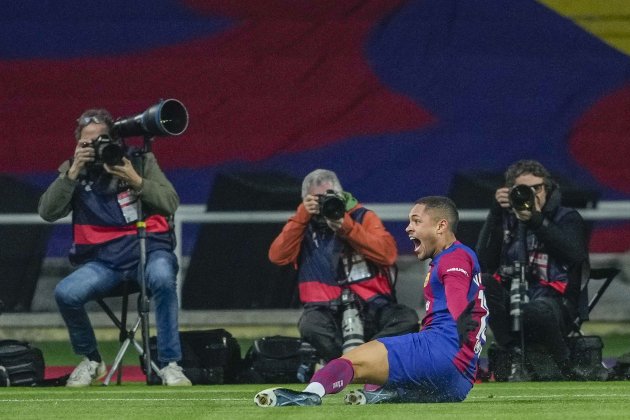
311 204
335 225
502 196
83 154
126 173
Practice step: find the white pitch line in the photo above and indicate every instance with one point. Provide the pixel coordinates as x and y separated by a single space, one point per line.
480 397
47 400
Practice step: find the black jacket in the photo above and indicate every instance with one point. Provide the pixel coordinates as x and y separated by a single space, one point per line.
557 231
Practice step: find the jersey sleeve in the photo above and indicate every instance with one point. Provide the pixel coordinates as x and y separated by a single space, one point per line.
455 272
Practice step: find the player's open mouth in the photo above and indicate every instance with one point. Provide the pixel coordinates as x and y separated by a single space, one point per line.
416 243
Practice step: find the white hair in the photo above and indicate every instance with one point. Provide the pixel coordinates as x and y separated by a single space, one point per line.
319 177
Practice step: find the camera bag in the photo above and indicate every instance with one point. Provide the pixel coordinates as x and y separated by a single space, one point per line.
279 359
208 357
621 370
23 363
585 355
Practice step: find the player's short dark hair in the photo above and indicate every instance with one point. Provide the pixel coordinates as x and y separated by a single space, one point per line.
442 207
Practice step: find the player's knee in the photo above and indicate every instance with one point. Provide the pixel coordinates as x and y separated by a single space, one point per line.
369 362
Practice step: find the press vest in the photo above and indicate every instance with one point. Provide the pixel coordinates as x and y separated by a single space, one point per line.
545 271
321 269
100 231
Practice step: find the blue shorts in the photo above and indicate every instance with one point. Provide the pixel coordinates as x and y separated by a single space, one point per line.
421 368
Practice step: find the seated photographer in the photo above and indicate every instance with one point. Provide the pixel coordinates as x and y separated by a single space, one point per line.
527 224
336 244
100 185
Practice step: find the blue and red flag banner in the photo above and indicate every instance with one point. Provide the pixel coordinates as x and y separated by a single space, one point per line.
395 96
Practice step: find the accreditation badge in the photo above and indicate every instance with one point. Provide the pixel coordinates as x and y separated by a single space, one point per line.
128 202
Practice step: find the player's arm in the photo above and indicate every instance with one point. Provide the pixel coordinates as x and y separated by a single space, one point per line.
456 276
456 286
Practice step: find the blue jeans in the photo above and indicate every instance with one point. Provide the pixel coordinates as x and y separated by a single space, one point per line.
94 280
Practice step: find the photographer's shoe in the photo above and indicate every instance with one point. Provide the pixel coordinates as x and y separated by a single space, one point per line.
173 375
4 377
88 372
378 396
283 397
518 371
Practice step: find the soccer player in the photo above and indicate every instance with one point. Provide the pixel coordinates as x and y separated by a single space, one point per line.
437 364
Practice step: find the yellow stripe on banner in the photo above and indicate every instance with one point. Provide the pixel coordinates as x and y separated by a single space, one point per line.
609 20
141 224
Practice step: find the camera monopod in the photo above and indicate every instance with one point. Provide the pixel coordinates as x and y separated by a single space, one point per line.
166 118
518 288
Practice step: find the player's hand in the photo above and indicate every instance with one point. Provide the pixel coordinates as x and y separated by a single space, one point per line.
466 324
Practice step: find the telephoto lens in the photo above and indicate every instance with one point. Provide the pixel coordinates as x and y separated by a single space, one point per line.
515 303
351 324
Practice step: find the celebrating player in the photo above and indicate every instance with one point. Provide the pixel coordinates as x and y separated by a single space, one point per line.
437 364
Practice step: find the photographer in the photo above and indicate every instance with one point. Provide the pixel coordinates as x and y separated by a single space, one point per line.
349 249
100 185
528 223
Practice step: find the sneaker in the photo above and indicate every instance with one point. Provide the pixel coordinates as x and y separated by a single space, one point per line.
362 396
281 397
518 371
88 372
173 375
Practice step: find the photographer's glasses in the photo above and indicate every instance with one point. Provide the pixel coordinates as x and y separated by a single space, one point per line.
537 187
93 119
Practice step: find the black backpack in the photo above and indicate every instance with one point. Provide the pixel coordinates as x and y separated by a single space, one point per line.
208 357
279 359
23 364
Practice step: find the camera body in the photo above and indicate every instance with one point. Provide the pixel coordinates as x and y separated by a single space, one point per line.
522 198
332 205
106 150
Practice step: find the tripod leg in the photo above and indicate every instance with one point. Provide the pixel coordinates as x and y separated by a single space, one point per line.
140 350
117 361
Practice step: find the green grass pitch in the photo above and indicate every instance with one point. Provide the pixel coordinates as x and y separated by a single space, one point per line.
549 400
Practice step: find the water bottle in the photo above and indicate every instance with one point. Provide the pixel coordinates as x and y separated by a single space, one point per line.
351 324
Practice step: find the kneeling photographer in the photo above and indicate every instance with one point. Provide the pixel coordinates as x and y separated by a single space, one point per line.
108 188
344 256
527 227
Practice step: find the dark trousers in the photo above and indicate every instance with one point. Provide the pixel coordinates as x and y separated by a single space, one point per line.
545 320
321 326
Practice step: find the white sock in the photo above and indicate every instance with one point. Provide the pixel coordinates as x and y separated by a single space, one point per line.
315 388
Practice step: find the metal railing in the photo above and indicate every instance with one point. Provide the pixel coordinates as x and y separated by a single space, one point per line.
393 212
